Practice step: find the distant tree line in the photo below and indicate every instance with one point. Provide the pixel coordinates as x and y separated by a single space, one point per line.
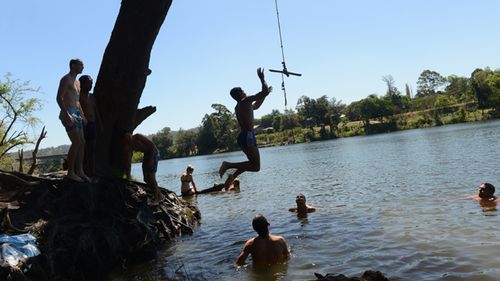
218 130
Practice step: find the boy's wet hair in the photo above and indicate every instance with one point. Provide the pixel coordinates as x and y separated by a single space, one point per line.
85 78
73 61
235 93
489 187
260 225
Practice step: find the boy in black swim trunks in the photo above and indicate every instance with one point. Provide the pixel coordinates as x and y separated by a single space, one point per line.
88 104
246 139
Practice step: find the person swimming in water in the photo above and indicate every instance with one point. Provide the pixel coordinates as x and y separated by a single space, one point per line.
266 249
187 181
302 208
486 193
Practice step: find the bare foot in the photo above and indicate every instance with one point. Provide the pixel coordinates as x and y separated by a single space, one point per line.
229 181
223 168
73 176
157 200
84 177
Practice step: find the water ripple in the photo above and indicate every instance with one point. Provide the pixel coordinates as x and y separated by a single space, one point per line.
390 202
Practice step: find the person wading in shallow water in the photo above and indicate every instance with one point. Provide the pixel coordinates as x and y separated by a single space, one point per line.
246 139
265 249
302 208
187 181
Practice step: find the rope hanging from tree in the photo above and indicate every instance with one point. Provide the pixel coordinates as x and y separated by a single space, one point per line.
284 71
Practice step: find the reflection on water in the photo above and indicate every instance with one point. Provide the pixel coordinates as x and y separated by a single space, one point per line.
389 202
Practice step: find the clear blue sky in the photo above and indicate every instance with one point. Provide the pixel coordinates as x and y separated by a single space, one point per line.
342 48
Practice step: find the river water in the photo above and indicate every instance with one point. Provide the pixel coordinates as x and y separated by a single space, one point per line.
389 202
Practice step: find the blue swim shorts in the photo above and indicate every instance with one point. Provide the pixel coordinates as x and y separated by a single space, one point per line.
77 119
153 156
247 139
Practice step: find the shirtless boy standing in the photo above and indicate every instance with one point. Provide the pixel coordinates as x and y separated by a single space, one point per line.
73 119
88 104
141 143
265 249
246 139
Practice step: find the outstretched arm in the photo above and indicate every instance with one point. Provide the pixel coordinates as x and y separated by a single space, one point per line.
260 96
265 89
311 209
244 254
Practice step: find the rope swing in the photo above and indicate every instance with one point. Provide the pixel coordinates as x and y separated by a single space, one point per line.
284 71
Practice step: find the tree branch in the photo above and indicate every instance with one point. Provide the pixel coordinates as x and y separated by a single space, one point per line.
2 142
43 134
143 113
20 155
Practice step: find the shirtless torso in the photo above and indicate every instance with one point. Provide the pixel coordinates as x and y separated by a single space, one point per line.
265 251
68 98
244 114
186 180
88 105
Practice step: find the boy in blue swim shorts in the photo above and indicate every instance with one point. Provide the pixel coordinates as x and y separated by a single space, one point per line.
73 119
245 105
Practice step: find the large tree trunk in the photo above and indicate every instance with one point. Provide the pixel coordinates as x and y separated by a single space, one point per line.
122 77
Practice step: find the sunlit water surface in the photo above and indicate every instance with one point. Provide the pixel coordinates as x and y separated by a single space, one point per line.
390 202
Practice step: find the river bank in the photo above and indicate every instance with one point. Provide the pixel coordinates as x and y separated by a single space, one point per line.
463 113
83 230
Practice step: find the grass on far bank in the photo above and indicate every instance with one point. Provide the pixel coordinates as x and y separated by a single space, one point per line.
406 121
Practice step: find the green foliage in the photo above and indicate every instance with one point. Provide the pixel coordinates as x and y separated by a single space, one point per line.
185 143
270 120
460 88
289 120
207 141
460 116
480 86
493 82
353 111
428 82
319 112
444 101
163 141
137 157
374 108
218 131
17 113
423 103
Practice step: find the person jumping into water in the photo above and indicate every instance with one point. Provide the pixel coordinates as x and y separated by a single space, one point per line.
245 105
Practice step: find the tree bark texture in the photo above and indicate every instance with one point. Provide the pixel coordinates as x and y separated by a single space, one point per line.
122 77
